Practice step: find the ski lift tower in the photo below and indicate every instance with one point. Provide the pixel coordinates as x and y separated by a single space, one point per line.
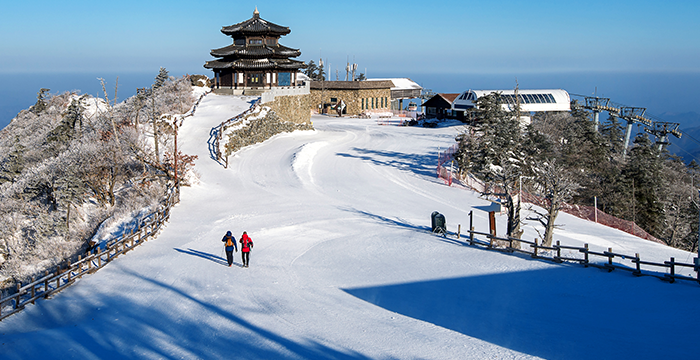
596 105
632 115
661 130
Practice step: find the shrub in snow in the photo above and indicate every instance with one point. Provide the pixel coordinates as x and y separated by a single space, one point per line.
75 166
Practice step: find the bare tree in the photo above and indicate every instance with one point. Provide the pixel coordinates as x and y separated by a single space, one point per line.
556 185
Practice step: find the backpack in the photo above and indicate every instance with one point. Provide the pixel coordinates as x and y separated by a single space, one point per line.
229 241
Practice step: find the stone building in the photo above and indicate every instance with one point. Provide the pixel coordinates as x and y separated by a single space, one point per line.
255 61
358 96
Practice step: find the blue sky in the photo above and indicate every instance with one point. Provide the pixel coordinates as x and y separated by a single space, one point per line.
389 36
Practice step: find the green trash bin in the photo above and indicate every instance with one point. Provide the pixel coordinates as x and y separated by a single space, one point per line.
437 222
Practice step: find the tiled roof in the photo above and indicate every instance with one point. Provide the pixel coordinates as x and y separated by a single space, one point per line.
255 26
260 51
351 85
255 64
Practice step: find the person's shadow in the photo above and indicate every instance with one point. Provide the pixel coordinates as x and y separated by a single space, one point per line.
208 256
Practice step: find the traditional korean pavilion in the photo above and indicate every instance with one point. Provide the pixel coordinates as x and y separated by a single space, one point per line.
256 59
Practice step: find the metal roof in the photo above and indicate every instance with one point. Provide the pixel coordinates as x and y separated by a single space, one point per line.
530 100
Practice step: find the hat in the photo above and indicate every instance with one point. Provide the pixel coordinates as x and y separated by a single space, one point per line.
228 233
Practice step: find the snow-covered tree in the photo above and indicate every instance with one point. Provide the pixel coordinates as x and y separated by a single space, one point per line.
556 185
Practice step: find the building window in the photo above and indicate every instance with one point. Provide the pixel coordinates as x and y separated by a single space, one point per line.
271 41
255 79
363 103
255 41
372 103
334 100
284 79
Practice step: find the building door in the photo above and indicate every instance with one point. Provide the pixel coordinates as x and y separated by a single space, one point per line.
254 79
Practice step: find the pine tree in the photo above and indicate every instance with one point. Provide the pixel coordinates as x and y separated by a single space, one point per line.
643 172
160 79
613 132
492 151
40 105
311 70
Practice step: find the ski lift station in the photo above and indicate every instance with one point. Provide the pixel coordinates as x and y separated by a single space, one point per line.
530 100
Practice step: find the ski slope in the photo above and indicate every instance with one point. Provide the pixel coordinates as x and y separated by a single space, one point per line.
345 267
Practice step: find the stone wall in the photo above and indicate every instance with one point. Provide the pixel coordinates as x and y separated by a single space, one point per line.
284 114
292 108
353 99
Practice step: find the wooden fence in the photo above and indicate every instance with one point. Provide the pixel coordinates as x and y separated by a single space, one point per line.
606 260
66 274
217 132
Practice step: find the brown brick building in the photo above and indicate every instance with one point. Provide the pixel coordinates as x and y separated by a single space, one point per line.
359 96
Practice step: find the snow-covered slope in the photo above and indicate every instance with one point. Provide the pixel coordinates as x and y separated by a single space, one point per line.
344 266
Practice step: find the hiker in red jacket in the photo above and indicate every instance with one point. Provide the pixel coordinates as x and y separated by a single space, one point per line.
246 246
230 244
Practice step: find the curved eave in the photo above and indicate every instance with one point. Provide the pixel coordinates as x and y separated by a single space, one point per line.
279 51
255 26
262 64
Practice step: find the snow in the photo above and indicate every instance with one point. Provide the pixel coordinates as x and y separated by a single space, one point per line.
344 266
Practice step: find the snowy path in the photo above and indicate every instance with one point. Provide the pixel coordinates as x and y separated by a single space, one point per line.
344 267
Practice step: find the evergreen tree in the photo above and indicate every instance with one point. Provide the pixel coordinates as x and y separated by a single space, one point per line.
160 79
311 70
40 105
492 151
643 172
613 132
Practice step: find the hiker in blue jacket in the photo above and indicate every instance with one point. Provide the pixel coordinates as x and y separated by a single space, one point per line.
230 244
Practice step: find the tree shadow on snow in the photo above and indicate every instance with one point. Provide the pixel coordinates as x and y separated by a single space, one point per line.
420 164
556 313
113 326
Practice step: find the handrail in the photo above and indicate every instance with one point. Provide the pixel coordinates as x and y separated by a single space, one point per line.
65 276
216 133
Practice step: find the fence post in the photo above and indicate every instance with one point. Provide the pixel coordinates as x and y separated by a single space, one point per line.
534 254
33 290
639 269
585 255
673 270
46 284
459 230
19 295
558 251
611 267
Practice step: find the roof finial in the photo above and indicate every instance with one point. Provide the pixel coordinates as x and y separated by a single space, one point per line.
256 13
